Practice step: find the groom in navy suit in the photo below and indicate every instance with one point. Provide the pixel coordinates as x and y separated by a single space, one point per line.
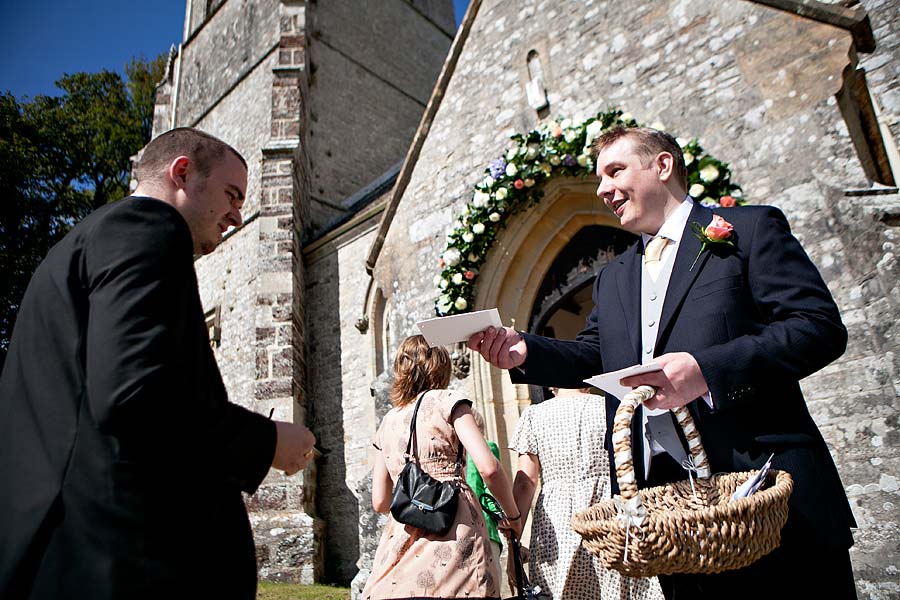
735 325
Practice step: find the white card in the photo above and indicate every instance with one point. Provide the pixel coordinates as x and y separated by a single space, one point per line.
752 485
443 331
609 382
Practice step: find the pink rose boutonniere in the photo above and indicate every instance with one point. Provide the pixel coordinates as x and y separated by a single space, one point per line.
718 231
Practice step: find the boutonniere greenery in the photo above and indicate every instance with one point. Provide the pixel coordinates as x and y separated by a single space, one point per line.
719 231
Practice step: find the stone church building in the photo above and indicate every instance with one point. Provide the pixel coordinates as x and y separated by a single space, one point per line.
366 126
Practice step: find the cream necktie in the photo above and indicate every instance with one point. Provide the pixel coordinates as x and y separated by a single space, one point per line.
652 254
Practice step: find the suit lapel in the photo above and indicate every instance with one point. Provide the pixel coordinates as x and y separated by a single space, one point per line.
628 281
683 275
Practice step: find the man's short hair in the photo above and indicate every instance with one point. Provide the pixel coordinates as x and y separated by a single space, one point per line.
203 149
648 143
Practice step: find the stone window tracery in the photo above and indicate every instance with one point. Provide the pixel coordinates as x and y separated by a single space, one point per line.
534 89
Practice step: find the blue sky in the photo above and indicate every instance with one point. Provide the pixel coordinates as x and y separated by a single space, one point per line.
40 40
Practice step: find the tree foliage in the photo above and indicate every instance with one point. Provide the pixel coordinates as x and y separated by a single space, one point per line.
60 158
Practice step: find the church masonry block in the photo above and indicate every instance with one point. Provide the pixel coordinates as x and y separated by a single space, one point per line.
288 536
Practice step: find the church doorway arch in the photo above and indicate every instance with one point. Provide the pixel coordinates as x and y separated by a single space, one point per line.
538 276
564 299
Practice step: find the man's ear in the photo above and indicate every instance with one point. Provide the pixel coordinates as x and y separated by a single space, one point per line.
665 166
178 171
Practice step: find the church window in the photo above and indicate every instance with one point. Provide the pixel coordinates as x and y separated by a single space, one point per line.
534 89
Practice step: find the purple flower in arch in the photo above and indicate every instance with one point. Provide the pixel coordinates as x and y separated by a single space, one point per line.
569 160
497 168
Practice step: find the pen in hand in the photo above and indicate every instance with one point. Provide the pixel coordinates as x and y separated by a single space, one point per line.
314 451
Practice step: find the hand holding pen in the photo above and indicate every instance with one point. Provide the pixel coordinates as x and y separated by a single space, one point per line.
294 447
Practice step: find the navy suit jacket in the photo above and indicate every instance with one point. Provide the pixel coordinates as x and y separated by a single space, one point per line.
758 318
121 458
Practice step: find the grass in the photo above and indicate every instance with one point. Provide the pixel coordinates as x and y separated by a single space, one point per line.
289 591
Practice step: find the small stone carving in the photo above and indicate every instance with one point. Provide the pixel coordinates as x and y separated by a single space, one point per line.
459 358
362 324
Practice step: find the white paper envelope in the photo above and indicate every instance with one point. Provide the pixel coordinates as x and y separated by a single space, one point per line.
443 331
609 382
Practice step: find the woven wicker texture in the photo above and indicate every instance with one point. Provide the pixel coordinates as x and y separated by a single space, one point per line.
676 528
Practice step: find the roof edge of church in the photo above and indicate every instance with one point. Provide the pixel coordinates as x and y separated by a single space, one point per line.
854 20
357 202
412 155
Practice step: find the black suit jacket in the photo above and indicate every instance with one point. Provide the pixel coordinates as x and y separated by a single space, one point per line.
122 460
757 318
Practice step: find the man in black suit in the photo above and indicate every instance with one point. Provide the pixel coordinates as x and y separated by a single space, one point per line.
734 332
121 458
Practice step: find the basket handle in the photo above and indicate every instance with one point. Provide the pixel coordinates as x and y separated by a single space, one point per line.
621 438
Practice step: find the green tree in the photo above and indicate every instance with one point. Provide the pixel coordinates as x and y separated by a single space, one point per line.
143 77
60 158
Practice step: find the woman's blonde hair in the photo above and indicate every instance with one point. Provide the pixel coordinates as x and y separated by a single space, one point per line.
418 368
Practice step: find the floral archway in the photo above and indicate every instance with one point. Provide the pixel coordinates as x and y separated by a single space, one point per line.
515 182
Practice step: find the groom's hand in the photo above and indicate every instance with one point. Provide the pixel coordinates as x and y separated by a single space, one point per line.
679 382
503 347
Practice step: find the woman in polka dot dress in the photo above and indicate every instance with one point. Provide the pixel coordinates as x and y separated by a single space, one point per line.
560 444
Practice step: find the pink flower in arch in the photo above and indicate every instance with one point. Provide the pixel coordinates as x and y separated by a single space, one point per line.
727 201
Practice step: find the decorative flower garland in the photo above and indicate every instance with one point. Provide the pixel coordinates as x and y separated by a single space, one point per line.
515 182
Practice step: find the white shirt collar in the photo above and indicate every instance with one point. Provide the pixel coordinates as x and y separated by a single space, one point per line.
673 227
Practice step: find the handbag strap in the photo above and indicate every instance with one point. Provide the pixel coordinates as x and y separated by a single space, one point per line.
414 442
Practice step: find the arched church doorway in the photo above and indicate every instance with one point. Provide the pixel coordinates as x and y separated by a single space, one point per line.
539 275
564 299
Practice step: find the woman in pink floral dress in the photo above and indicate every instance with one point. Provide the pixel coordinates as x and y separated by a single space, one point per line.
409 562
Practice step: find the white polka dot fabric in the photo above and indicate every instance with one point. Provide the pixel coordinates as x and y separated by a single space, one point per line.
566 434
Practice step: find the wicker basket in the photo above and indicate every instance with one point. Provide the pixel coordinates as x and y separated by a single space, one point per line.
674 528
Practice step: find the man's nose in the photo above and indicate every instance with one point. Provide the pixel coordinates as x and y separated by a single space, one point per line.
235 217
604 189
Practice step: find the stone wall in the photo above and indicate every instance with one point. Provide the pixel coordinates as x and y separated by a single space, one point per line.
756 86
855 400
223 50
373 66
366 96
230 277
240 118
341 372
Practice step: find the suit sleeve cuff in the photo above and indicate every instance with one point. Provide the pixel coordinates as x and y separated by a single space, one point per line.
253 460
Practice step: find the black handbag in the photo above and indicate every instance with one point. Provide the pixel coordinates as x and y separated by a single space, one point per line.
419 499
